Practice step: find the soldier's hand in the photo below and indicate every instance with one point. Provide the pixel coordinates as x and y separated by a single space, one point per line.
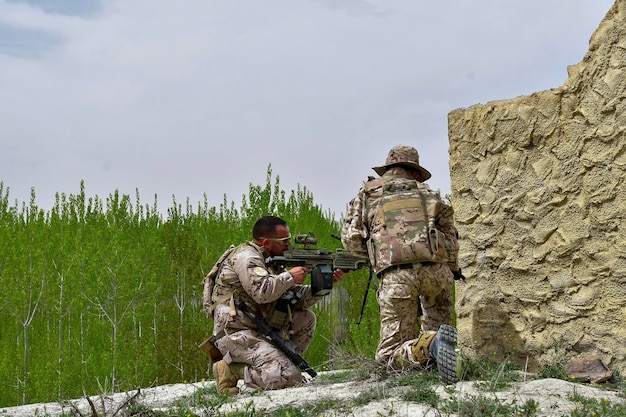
299 274
337 275
458 275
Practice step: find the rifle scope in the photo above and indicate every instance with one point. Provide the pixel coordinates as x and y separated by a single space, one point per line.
306 240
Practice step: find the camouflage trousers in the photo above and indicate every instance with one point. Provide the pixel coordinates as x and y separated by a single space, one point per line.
267 367
402 295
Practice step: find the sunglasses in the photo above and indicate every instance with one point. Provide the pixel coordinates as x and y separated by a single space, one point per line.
281 240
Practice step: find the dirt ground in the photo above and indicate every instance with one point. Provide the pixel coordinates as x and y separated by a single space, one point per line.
553 398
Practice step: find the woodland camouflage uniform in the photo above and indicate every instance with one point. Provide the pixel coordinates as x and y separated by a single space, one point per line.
245 277
408 232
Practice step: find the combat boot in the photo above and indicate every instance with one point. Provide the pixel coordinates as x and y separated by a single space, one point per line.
441 349
420 348
226 377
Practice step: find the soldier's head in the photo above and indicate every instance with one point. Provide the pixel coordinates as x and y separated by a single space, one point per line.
272 233
404 156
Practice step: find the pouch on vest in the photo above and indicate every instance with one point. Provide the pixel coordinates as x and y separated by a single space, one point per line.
282 310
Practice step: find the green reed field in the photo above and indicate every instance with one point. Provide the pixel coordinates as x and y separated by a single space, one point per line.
104 294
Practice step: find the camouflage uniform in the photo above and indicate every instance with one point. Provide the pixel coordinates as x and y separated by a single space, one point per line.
245 276
406 289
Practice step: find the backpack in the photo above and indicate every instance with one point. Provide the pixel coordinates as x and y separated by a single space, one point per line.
403 229
209 283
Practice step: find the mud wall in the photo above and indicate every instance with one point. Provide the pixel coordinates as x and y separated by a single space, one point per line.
539 191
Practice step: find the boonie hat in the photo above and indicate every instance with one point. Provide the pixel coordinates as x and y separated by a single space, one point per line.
403 155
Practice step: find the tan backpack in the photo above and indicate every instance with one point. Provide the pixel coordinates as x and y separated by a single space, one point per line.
209 283
403 227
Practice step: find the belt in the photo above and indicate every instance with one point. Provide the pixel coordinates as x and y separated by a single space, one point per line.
395 268
401 266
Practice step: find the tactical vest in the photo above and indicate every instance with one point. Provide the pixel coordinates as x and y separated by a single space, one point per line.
402 217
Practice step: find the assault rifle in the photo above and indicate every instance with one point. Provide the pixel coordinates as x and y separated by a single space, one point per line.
287 346
322 262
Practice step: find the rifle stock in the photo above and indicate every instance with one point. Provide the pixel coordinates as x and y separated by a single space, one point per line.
208 348
286 346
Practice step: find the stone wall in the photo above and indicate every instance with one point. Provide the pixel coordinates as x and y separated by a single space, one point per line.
540 202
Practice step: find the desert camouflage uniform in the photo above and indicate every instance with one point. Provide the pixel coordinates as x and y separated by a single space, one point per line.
247 278
423 287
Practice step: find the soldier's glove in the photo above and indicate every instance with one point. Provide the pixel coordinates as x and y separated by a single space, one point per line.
458 275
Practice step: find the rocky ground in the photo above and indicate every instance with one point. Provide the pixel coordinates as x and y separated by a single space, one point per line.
552 397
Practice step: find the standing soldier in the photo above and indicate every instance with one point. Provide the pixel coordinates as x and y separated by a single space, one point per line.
408 232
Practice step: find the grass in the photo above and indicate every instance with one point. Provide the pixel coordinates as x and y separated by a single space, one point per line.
590 407
479 406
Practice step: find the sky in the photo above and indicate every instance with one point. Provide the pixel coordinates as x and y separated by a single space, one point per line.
182 99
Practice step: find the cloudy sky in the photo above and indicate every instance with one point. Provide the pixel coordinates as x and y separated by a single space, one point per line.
183 98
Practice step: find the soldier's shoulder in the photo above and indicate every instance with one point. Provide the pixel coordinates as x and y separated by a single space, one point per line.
373 182
426 189
245 249
367 182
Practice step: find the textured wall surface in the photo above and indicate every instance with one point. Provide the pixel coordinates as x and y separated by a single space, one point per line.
540 202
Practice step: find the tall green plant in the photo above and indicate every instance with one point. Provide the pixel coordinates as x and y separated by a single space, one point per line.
104 295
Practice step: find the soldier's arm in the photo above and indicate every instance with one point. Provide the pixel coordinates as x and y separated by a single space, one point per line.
354 232
256 280
445 221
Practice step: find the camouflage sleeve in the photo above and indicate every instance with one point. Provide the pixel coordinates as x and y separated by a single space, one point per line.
354 231
445 223
257 280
